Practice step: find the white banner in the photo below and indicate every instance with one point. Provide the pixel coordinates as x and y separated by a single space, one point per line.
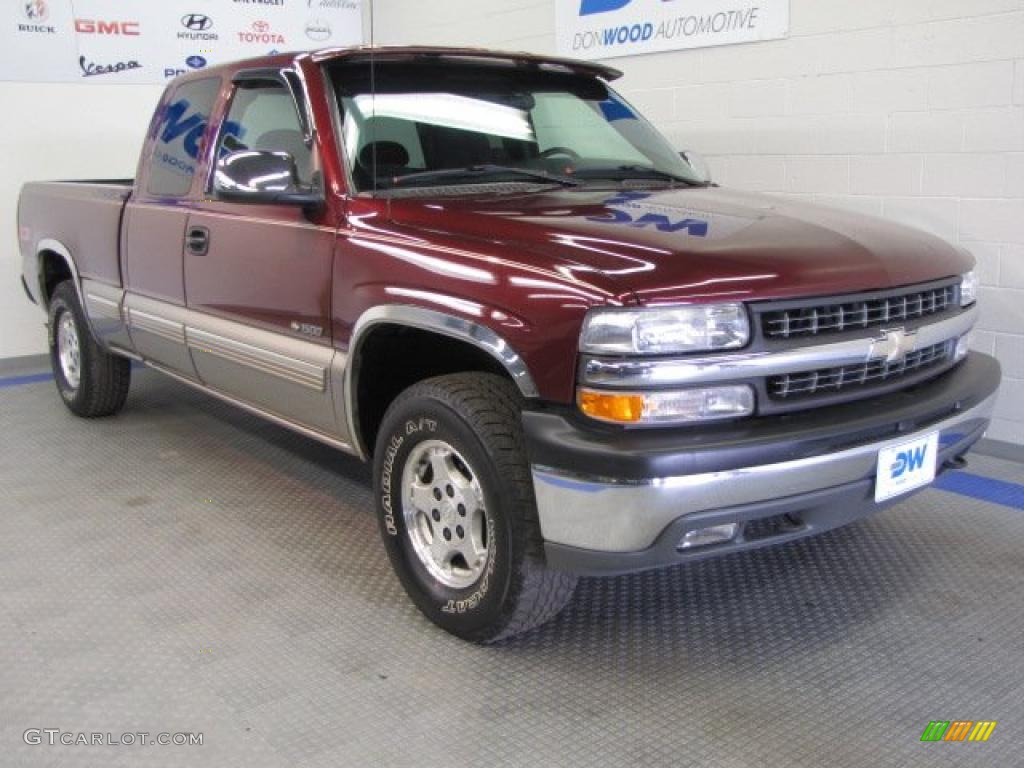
151 41
604 29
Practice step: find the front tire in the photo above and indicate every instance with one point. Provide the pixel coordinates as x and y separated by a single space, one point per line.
457 512
91 381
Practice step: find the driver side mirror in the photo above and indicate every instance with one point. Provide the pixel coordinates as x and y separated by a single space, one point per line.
262 177
698 164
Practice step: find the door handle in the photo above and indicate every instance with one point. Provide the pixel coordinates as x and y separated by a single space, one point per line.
197 240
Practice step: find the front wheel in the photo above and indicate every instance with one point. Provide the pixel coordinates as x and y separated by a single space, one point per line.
457 511
91 381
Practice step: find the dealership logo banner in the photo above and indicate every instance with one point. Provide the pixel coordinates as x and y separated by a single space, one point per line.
152 41
605 29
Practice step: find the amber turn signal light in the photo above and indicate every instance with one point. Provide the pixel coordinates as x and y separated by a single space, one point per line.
612 406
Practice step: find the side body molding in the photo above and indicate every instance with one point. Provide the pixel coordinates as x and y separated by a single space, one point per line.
480 336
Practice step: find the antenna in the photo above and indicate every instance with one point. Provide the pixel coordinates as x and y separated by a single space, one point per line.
373 102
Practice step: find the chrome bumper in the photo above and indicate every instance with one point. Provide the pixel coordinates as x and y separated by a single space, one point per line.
606 516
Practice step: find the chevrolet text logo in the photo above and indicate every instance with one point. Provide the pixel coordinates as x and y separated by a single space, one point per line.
893 346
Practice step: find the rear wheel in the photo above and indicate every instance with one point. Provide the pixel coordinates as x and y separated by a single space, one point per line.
457 511
91 381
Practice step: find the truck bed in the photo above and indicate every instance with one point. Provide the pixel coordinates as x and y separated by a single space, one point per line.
83 216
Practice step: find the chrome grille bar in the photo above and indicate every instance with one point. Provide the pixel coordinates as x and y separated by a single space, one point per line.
842 378
836 317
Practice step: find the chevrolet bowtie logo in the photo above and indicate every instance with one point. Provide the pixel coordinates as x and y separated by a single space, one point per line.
893 345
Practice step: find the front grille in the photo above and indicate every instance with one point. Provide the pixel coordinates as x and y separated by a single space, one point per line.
844 378
835 316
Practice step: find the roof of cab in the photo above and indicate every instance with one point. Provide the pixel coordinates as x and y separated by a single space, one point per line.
413 53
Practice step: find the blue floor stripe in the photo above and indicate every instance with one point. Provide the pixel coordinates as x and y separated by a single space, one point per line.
17 381
983 488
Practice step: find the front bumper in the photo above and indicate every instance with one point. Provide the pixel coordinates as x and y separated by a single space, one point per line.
614 501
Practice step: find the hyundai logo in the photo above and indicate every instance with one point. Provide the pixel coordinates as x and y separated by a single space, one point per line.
197 22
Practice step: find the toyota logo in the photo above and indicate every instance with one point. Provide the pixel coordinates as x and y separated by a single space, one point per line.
261 27
197 22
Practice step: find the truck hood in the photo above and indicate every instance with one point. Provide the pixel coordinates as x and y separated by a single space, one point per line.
691 244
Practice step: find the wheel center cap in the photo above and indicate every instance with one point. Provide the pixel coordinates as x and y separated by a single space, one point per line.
449 512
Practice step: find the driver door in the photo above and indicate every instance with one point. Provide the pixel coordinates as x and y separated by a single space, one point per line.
258 278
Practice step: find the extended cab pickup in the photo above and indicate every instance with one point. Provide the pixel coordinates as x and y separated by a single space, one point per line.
564 349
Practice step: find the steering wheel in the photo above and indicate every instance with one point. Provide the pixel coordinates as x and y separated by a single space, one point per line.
550 151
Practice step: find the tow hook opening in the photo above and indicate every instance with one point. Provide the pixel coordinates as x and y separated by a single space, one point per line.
957 462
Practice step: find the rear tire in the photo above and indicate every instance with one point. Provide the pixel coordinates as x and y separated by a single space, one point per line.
91 381
457 511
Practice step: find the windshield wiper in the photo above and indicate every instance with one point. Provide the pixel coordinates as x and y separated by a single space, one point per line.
476 171
626 172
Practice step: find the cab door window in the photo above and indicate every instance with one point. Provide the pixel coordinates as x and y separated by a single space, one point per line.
262 117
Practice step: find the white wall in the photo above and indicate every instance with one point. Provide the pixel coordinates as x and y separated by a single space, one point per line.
58 131
911 109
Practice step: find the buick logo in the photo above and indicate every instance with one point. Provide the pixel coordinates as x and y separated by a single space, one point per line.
196 22
37 10
893 345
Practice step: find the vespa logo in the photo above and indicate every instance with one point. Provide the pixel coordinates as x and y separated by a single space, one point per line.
893 346
591 7
908 461
196 22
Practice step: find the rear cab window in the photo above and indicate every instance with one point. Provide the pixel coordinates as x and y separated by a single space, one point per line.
177 137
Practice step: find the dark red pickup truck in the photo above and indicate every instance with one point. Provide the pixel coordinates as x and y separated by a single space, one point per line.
565 351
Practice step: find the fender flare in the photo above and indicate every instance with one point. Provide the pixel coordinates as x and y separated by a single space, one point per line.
57 247
475 334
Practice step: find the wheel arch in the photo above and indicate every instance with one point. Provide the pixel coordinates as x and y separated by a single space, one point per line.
463 345
54 264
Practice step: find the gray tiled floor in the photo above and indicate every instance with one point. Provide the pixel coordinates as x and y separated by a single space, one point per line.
185 567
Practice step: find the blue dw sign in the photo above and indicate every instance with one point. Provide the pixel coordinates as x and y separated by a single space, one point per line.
590 7
911 460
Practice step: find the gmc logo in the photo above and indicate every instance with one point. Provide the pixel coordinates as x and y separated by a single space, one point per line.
89 27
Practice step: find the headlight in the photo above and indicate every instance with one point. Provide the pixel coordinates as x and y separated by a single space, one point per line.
665 331
968 289
671 407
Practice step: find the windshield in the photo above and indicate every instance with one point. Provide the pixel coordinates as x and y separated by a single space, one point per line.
449 124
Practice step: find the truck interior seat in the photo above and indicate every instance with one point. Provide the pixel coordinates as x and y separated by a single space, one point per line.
392 160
